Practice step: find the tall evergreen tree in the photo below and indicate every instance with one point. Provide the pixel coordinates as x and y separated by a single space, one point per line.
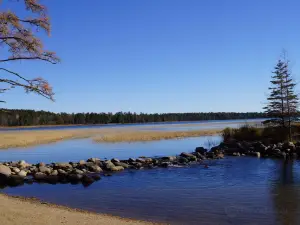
282 101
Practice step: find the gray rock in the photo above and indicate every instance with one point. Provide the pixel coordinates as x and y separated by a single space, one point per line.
44 169
140 160
125 165
108 165
236 154
117 168
15 169
131 160
40 176
200 156
22 173
186 155
82 162
183 160
77 171
4 171
94 160
63 166
54 173
114 160
169 158
61 171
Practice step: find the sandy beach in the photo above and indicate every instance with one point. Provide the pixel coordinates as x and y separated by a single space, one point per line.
18 210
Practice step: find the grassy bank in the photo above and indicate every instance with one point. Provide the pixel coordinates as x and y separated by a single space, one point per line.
18 210
136 136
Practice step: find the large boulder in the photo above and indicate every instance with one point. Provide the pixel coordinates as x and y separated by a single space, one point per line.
169 158
40 176
108 165
95 168
22 173
5 171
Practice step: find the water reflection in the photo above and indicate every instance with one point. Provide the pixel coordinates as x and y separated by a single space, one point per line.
286 193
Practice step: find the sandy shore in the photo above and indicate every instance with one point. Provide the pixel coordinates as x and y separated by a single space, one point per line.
18 210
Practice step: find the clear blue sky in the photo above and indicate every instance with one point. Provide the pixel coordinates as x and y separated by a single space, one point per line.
163 55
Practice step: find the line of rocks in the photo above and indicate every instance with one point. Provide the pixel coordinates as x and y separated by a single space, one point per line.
86 172
287 150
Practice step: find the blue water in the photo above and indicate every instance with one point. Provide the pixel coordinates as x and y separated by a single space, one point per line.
142 125
231 191
75 150
240 190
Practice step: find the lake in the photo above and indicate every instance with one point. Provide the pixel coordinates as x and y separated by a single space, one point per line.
240 190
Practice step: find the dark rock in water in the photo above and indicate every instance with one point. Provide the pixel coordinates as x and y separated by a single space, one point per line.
183 160
93 160
107 175
96 176
52 179
137 165
200 156
214 149
87 180
140 160
165 164
15 180
77 171
201 150
236 154
75 177
40 176
289 145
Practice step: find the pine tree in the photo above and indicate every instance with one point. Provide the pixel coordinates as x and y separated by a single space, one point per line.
282 101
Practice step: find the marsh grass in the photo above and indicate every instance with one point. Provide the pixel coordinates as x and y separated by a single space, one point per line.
14 139
144 135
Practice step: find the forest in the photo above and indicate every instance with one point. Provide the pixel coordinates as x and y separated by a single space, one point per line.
21 117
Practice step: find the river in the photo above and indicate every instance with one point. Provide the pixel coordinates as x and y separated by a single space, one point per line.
235 190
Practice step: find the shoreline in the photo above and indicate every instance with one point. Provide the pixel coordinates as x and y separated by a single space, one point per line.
26 210
113 124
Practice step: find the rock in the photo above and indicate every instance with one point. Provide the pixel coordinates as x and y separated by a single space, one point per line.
63 166
15 169
114 160
54 173
183 160
75 177
169 158
4 171
61 171
131 160
148 160
165 164
22 173
220 156
24 164
140 160
87 180
77 171
117 168
200 156
82 162
289 145
40 176
96 176
15 180
186 155
137 165
41 164
108 165
94 160
95 168
236 154
44 169
125 165
201 150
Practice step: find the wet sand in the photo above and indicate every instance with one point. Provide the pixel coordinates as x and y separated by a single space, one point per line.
28 211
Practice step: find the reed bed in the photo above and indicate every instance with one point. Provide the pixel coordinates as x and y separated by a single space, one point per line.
12 139
143 135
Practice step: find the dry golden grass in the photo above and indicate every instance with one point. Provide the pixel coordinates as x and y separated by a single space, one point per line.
142 135
13 139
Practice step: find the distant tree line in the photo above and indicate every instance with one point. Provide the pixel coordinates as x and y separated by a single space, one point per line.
19 117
